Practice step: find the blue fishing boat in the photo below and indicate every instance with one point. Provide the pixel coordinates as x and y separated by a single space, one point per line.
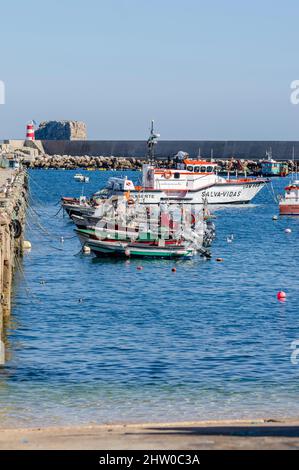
271 167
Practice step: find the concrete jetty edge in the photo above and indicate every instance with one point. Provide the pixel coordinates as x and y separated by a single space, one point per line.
13 201
262 433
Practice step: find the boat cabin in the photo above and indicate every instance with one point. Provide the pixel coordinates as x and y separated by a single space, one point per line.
273 168
120 184
188 175
200 166
292 190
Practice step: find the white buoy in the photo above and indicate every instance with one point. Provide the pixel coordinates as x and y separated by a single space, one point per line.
26 245
288 230
86 250
274 217
2 353
61 239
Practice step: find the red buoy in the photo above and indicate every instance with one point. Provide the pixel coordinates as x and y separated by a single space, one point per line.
173 270
139 268
281 295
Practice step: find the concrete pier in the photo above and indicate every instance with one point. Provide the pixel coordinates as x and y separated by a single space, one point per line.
13 188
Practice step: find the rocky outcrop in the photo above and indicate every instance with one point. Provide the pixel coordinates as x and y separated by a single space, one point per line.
61 130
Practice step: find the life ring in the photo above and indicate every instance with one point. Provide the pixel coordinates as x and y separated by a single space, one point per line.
17 228
167 174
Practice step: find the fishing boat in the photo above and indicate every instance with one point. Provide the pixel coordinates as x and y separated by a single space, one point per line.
289 204
190 181
270 167
164 231
77 206
81 178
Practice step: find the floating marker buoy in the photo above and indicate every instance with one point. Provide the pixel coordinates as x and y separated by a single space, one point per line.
173 270
281 295
61 239
86 250
139 268
288 230
26 245
274 217
80 301
219 260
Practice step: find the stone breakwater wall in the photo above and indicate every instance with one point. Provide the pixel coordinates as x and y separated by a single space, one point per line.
225 149
70 162
13 197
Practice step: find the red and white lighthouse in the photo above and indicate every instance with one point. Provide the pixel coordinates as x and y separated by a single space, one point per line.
30 131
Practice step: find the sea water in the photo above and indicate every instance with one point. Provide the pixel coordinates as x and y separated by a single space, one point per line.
96 340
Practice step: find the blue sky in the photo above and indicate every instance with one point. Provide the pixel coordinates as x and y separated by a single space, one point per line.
203 69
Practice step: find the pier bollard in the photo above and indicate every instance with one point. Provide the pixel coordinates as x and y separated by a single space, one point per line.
2 353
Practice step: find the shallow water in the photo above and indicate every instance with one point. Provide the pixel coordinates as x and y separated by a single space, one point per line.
209 341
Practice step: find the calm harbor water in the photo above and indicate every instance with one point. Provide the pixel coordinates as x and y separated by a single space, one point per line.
209 341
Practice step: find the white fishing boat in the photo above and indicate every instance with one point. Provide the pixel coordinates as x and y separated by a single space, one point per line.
81 178
289 204
191 181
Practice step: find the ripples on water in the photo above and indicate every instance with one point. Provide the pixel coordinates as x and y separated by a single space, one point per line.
209 341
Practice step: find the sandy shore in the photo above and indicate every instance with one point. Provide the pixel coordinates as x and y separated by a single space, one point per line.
256 434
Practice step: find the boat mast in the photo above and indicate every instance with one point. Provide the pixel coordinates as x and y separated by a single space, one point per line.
152 141
294 165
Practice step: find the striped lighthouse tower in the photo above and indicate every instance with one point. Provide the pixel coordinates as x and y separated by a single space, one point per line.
30 131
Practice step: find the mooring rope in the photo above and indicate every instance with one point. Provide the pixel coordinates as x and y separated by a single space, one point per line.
272 192
28 290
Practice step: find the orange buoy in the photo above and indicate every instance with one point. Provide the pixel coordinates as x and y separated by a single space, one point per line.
173 270
219 260
281 295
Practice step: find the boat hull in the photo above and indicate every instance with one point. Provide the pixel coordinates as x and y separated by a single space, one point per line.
102 248
220 193
289 209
